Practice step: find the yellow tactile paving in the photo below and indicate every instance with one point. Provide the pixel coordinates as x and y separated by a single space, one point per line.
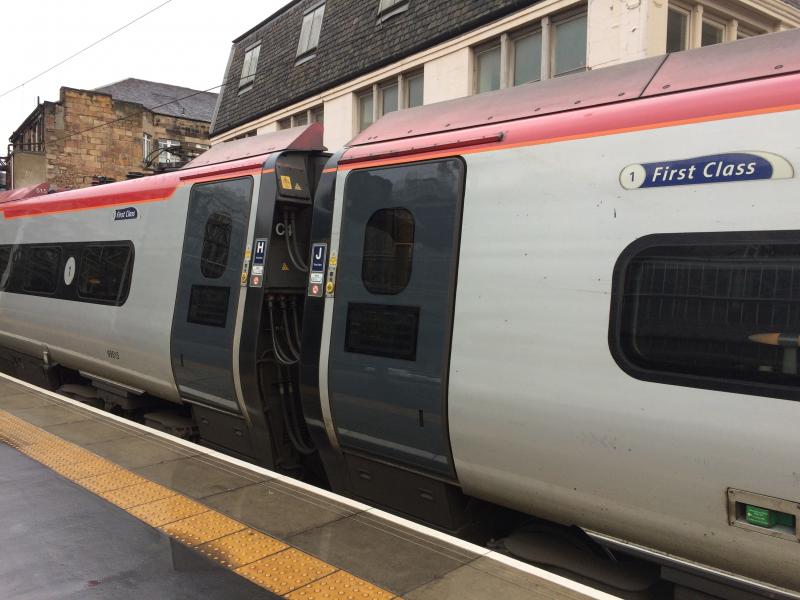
340 586
202 528
258 557
165 511
286 571
134 495
241 548
84 469
111 481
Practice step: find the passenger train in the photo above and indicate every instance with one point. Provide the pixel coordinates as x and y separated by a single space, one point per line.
577 300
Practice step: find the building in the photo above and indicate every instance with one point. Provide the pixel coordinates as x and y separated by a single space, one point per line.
119 130
347 62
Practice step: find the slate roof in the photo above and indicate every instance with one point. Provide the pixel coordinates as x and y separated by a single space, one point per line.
163 98
352 42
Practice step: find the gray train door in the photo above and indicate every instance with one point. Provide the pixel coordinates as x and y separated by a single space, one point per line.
393 312
208 292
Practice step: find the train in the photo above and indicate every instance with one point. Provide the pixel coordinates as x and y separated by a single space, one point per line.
570 307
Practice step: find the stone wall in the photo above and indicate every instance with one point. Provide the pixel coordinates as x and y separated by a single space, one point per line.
89 134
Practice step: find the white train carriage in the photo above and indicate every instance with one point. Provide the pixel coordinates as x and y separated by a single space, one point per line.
577 299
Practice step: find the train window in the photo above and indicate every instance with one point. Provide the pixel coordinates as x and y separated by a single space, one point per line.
717 311
105 273
38 269
388 251
216 244
5 262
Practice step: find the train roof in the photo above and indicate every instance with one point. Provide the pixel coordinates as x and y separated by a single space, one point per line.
239 156
747 59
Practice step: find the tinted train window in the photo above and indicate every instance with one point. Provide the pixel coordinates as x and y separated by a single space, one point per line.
216 244
38 268
105 273
5 261
720 311
388 251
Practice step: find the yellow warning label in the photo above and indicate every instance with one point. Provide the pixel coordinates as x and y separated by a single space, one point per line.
286 182
247 253
329 287
284 267
332 261
244 277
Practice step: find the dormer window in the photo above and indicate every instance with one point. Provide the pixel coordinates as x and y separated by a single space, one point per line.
309 32
389 8
249 68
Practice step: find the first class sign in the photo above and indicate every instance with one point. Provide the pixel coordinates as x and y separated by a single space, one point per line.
714 168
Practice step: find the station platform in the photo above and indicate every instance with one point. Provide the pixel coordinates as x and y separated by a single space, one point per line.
95 506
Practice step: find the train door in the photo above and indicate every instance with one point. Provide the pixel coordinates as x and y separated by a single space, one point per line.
392 317
208 292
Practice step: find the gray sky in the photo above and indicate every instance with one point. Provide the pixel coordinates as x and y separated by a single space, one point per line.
184 43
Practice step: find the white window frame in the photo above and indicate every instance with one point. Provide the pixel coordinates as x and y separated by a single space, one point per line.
686 12
312 28
546 25
389 8
147 146
292 121
249 67
512 55
709 12
377 96
552 40
168 157
488 47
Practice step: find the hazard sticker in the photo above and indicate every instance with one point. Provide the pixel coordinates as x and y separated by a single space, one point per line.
286 182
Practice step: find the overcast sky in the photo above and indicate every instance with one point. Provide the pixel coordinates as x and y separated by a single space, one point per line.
186 42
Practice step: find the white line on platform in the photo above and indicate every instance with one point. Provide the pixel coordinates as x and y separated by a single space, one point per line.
355 505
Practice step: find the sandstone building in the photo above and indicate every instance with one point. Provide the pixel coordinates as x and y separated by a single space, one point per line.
347 62
110 133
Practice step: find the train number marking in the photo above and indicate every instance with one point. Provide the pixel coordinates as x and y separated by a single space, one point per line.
113 354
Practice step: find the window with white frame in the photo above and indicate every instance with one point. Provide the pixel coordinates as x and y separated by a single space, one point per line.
488 65
407 90
390 8
695 25
569 45
312 115
713 32
310 30
677 29
549 48
249 67
147 146
165 156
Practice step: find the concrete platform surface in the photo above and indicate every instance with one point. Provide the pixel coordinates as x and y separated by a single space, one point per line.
97 506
